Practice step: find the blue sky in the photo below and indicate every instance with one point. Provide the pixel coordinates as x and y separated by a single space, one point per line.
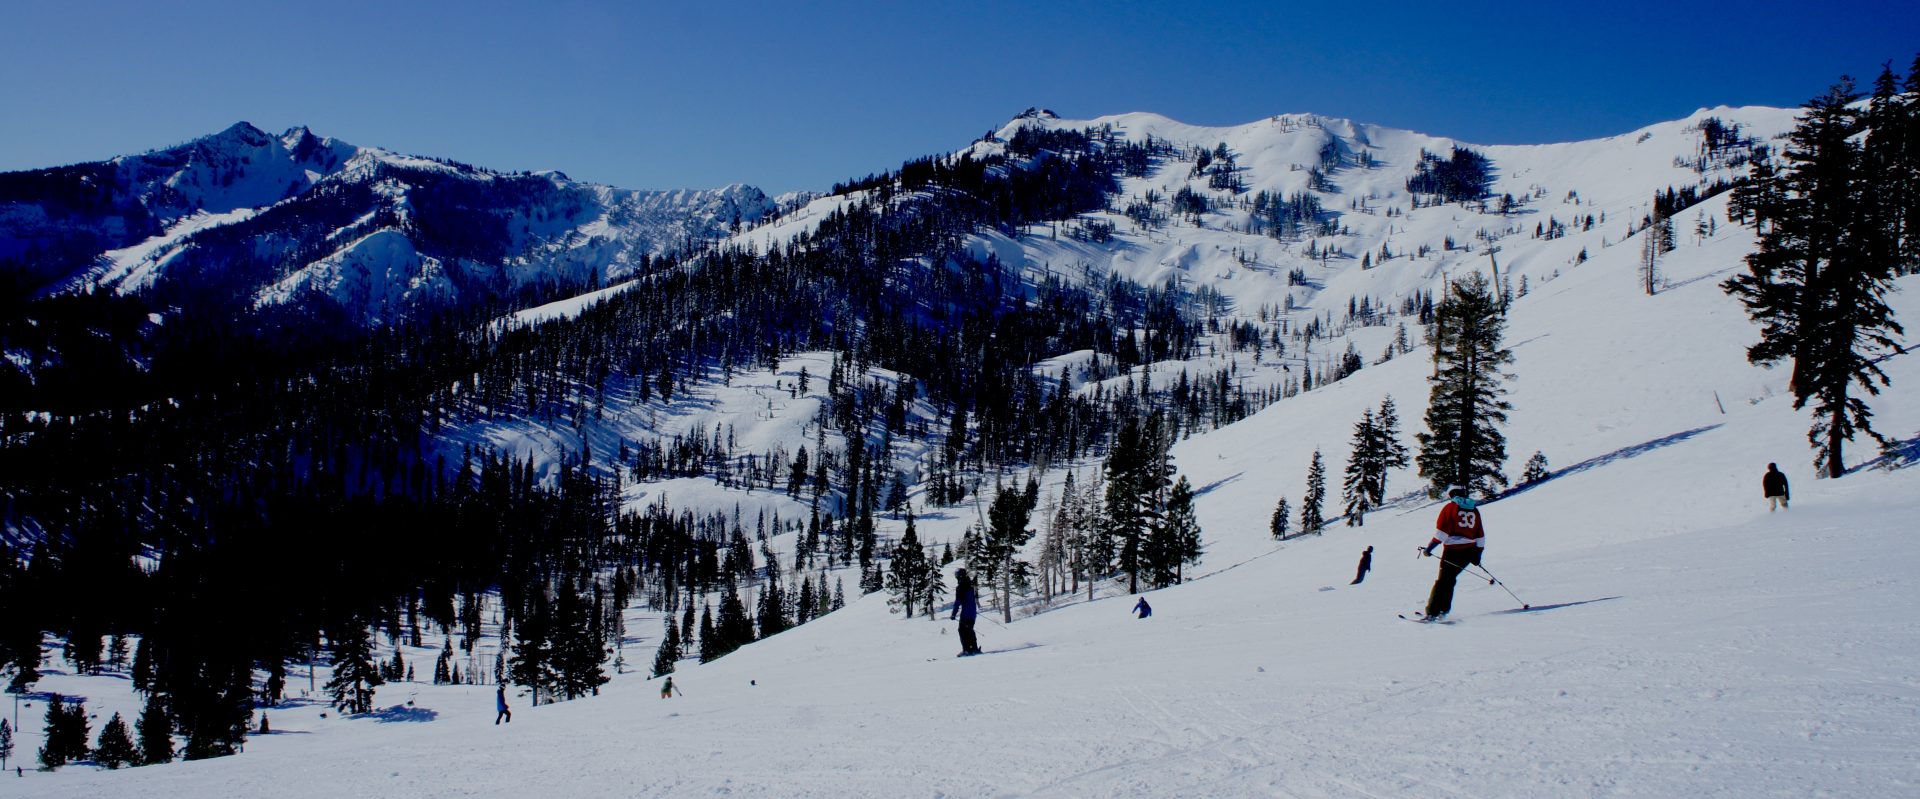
797 94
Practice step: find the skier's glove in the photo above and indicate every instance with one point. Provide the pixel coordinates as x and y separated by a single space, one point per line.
1428 552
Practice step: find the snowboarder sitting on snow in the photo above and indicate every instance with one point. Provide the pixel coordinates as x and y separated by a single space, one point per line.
1460 529
1366 565
966 605
667 691
1142 608
1774 487
500 705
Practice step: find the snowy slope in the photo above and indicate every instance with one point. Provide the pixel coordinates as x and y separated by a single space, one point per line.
1684 642
1673 652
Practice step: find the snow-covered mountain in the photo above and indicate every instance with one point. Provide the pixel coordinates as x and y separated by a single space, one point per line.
252 218
1681 641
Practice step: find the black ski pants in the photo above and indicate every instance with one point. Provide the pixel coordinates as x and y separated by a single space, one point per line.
968 643
1453 560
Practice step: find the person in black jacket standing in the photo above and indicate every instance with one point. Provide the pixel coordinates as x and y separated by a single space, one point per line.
1366 565
966 606
1774 486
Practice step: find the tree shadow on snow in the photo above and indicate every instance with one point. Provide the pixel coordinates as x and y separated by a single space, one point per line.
1208 488
1617 455
1898 455
402 713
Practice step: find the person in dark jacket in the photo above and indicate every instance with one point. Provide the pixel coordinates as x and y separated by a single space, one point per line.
500 704
1142 609
1366 565
1773 485
966 606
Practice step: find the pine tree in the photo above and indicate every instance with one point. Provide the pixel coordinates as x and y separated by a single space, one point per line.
999 544
533 649
1182 529
1536 469
1311 516
1362 465
669 653
1817 283
1891 162
804 606
934 589
6 742
65 740
908 571
1278 524
708 648
355 675
578 646
115 747
732 629
1391 453
1464 445
1126 518
156 732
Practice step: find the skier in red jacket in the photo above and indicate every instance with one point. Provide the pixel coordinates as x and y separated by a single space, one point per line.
1464 536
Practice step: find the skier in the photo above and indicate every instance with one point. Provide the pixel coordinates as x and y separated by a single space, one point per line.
500 704
1461 530
966 605
1366 565
667 691
1142 609
1773 486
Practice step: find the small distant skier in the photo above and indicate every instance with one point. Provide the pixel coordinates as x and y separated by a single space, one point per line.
1142 609
1464 537
667 691
500 704
1774 486
1366 565
966 605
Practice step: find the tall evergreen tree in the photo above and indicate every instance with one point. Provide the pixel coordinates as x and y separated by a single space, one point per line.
578 646
908 571
355 675
65 740
997 555
1182 529
1281 519
1891 163
155 728
709 648
6 742
669 653
1817 284
1363 466
115 747
1464 445
1126 506
732 629
1392 453
1312 517
533 649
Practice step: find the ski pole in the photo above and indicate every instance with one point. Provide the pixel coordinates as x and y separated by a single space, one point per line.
1492 580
